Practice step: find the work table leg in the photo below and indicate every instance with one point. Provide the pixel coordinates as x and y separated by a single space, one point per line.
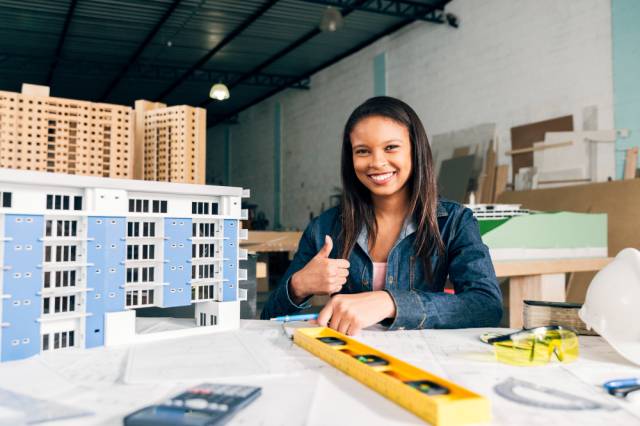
550 288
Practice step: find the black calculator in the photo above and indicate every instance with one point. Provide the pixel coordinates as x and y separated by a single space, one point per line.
207 404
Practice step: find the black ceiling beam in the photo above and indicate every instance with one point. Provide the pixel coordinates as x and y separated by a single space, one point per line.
140 71
228 39
136 55
308 74
61 39
299 42
406 9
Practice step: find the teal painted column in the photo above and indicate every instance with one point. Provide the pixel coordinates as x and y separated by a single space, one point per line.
380 75
227 155
277 155
625 16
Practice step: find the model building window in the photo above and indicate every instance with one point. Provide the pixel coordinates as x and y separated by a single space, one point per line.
60 253
58 304
61 228
148 229
202 292
202 271
203 230
144 275
139 297
63 202
59 279
5 199
202 250
198 207
59 340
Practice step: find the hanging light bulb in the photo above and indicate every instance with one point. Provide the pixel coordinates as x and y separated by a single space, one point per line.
331 20
219 92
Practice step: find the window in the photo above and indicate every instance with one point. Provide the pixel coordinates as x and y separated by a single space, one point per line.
63 253
199 207
202 292
202 229
5 198
148 229
202 271
63 202
147 206
58 340
144 274
203 250
139 297
58 304
60 278
63 228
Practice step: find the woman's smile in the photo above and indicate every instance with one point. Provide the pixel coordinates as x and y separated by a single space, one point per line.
382 178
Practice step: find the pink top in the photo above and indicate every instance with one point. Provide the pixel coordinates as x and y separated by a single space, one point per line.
379 273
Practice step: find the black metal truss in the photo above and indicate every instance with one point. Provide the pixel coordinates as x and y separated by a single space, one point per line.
231 118
61 39
136 55
24 64
406 9
297 43
228 39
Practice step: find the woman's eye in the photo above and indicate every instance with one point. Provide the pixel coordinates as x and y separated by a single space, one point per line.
361 151
392 147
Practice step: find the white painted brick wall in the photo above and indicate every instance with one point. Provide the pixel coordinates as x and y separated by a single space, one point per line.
511 62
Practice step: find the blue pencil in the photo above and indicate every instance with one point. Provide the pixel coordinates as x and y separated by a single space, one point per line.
303 317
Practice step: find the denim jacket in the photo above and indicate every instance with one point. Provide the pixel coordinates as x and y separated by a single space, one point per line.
420 303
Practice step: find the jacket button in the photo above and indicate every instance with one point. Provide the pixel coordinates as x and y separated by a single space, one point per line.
390 279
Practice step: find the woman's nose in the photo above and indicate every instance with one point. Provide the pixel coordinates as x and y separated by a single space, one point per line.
378 160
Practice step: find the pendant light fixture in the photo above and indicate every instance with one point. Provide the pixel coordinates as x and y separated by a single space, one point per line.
219 91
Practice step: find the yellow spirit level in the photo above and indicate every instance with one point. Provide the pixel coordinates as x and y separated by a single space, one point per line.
429 397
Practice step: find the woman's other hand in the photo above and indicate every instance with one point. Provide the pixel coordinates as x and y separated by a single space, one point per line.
350 313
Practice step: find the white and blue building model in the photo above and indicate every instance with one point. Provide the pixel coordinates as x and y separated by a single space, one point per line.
79 254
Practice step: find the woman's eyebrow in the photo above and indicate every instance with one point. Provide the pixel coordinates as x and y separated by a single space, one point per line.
379 143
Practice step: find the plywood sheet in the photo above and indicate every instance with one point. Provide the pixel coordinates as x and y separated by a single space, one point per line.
524 137
476 138
454 177
502 175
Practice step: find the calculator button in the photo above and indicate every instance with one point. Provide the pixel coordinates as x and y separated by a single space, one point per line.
223 407
196 403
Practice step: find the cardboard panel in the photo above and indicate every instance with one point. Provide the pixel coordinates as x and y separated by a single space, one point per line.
524 136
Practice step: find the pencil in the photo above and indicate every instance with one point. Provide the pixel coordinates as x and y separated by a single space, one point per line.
303 317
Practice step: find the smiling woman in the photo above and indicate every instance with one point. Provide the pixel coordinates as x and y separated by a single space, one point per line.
397 242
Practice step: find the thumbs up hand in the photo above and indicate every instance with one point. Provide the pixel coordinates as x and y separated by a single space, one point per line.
321 275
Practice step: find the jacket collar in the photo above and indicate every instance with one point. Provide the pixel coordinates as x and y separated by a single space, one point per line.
408 227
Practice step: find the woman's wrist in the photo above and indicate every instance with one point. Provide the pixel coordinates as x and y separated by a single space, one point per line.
391 305
294 289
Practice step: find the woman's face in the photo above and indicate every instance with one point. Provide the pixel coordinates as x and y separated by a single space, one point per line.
381 151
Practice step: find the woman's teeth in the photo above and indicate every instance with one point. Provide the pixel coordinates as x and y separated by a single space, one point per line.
381 177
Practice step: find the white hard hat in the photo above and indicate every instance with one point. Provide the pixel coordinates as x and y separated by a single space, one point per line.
611 305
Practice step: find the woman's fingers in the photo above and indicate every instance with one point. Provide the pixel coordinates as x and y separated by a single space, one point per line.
325 314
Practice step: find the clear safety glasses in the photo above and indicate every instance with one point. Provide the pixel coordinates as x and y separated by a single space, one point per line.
536 346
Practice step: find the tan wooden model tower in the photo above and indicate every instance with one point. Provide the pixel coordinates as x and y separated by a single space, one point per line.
153 142
43 133
172 142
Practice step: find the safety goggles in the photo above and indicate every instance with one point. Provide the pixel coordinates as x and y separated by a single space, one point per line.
536 346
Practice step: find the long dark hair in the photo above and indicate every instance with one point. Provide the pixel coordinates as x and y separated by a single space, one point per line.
357 205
